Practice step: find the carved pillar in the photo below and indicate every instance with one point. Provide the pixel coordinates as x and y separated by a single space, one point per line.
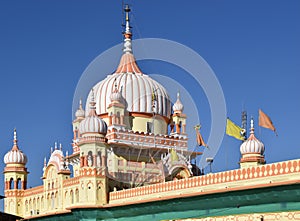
183 128
113 118
122 120
103 161
172 128
81 161
23 185
74 134
178 128
85 161
94 161
109 120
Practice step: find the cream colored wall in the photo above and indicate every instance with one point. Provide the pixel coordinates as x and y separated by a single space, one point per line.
140 124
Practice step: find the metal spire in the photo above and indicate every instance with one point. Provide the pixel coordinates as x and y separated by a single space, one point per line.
127 33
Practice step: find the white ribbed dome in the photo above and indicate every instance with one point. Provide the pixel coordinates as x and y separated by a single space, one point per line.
252 145
135 88
15 155
92 123
178 106
80 113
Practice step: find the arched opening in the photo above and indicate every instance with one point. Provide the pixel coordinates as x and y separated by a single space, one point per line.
52 201
77 195
90 158
11 184
26 206
42 203
72 197
19 182
99 159
118 118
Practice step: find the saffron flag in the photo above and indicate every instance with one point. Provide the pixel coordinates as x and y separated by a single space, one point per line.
199 137
265 121
234 130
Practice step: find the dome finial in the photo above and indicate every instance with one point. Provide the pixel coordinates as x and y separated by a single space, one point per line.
80 112
15 146
15 136
92 103
127 26
251 126
127 33
80 104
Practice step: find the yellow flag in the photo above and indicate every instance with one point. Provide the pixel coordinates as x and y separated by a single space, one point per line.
234 130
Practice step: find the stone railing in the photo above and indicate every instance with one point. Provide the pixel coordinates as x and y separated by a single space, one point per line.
260 175
146 139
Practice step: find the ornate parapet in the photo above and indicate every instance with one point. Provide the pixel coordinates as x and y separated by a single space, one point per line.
71 182
146 139
276 174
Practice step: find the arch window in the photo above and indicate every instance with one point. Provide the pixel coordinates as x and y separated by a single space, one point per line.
90 158
118 118
11 184
52 201
72 197
19 183
76 195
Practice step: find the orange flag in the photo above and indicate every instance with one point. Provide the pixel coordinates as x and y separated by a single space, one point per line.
200 140
265 121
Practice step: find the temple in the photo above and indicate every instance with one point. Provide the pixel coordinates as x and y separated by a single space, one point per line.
130 161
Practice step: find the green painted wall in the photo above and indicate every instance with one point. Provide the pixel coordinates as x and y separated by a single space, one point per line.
263 200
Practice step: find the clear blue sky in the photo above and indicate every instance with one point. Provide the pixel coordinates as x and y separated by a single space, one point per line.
252 46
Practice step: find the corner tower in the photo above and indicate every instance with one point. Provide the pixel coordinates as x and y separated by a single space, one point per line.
15 176
252 151
93 158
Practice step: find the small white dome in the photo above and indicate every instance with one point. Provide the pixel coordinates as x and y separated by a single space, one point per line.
252 145
80 113
178 106
92 123
15 155
116 96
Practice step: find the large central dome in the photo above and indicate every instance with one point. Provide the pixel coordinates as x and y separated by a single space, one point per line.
138 90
